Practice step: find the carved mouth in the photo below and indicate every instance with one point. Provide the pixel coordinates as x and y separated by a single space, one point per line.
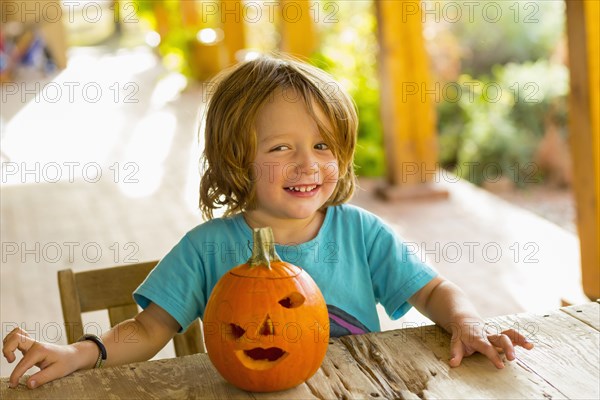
260 358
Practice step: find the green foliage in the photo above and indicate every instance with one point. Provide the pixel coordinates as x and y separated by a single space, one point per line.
508 31
494 116
497 123
540 89
490 139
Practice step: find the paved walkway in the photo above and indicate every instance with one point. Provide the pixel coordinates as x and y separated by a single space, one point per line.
108 174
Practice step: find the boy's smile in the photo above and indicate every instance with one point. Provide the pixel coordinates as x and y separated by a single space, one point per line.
294 171
303 190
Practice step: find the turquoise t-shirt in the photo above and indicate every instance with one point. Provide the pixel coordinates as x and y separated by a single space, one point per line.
356 260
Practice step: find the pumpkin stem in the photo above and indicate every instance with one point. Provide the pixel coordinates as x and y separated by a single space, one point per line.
263 249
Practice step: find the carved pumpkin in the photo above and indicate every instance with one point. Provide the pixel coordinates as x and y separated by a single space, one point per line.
266 325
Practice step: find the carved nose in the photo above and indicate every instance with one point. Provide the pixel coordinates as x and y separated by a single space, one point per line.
267 328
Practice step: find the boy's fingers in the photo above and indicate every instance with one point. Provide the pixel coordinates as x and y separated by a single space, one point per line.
485 348
44 376
456 352
503 342
8 354
14 342
14 333
26 362
518 339
18 340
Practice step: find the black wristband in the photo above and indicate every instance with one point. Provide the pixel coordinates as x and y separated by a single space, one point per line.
98 341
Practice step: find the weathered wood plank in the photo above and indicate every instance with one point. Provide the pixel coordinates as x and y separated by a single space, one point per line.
341 377
194 377
408 363
567 352
586 313
413 363
189 377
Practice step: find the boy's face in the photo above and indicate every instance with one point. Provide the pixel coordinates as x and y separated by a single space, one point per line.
295 172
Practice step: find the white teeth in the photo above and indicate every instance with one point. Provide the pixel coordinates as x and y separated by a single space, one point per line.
302 188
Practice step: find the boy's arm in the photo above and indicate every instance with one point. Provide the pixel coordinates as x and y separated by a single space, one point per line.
136 339
140 338
448 306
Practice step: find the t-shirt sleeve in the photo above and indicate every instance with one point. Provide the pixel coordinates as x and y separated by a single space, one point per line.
396 272
175 284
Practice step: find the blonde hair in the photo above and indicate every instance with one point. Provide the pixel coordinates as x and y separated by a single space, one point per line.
230 135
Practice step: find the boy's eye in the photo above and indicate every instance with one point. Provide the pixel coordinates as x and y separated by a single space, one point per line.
280 148
321 146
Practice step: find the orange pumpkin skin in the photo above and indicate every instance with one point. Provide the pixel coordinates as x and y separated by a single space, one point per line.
266 328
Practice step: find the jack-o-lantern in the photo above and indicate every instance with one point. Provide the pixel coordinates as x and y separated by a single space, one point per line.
266 325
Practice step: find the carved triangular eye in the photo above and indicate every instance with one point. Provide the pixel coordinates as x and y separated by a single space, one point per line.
236 331
292 300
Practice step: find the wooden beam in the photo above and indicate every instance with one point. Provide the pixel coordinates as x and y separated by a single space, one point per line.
583 40
232 23
298 35
190 17
407 109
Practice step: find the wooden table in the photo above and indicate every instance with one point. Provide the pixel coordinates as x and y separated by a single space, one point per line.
408 363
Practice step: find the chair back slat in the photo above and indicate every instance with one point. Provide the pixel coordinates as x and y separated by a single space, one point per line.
111 289
187 342
69 299
117 315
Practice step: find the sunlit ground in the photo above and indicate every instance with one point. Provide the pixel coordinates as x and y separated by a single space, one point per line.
102 156
83 118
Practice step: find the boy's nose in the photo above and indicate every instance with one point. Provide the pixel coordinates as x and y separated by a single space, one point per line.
306 164
296 171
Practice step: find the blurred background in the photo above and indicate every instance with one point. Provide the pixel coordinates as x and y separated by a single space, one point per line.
101 103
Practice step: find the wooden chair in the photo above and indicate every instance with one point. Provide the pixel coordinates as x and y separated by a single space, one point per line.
112 288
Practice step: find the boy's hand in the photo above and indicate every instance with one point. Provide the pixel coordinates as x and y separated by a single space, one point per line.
446 305
55 361
469 338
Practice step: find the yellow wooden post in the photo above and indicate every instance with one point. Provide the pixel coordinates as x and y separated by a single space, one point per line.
298 35
189 13
161 15
584 42
232 22
207 53
407 109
